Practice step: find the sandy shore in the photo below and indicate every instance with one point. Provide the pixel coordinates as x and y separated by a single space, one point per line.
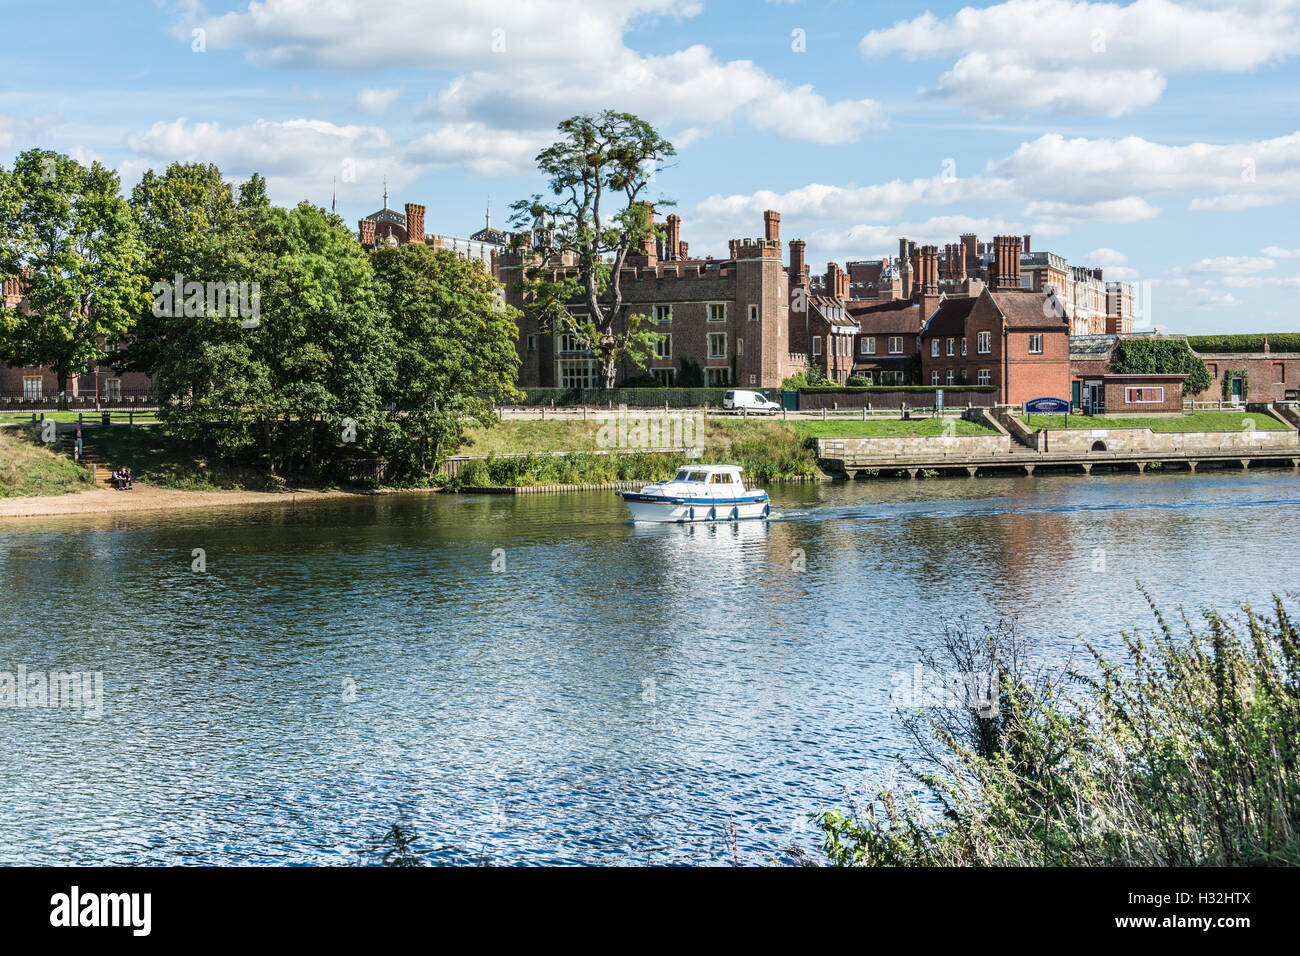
146 498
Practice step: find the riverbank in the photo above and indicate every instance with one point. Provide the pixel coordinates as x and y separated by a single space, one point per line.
150 498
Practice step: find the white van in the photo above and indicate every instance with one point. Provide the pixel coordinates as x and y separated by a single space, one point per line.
749 402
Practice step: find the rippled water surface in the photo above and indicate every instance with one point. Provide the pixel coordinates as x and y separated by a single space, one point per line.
610 693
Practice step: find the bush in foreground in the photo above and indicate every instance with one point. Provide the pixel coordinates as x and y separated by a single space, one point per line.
1186 755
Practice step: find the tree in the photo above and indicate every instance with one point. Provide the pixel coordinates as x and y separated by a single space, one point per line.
599 171
68 232
454 349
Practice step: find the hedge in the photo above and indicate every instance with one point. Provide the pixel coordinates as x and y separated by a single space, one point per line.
900 388
635 397
1277 342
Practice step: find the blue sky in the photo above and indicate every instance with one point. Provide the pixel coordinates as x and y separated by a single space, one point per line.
1157 139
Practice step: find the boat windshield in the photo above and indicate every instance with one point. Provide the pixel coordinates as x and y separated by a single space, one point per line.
683 475
698 476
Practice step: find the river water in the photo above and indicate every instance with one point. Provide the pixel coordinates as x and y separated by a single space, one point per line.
533 679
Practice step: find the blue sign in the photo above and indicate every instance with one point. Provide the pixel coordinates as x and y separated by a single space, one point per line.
1047 406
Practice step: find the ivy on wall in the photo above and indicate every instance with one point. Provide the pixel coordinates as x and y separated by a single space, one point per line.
1162 357
1228 375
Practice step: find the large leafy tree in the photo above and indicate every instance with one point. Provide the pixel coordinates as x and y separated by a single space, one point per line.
599 172
67 230
454 349
292 390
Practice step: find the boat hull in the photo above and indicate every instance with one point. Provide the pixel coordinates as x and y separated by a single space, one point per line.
670 510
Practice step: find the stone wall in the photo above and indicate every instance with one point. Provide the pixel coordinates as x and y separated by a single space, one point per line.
881 451
1145 440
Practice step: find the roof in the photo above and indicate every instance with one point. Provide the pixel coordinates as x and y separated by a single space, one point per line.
1097 347
833 313
899 317
1024 309
488 234
950 318
1147 375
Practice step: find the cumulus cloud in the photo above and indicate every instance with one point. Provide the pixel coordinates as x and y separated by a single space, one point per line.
516 69
375 102
1234 265
1083 57
1277 252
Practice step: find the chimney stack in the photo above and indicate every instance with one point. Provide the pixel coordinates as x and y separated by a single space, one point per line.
681 251
367 230
733 246
414 222
672 241
650 243
798 267
929 270
1025 250
1006 263
772 226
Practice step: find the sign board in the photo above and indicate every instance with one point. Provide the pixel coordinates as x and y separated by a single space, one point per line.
938 398
1047 406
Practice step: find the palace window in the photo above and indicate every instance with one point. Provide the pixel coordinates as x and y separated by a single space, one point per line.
532 343
935 346
891 378
664 347
113 389
952 346
984 343
568 342
665 376
32 388
817 345
576 373
717 345
934 377
867 346
663 313
740 347
952 377
895 345
717 311
1035 344
753 315
718 376
963 345
982 377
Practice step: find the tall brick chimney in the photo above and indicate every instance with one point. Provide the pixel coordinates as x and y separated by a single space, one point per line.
772 225
1026 249
367 230
929 270
733 246
681 250
970 253
414 222
798 265
1006 263
673 237
832 278
650 244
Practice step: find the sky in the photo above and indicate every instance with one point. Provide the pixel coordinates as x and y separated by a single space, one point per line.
1158 140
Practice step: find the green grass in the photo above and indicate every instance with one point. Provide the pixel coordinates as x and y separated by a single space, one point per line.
28 468
158 459
71 416
892 428
1196 422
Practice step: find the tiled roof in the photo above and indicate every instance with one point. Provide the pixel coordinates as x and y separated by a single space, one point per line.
950 317
1031 310
900 317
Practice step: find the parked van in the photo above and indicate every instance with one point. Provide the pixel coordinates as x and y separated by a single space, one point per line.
748 402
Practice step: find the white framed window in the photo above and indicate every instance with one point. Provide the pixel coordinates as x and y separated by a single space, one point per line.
895 345
717 345
982 377
952 377
935 346
664 347
934 377
717 376
1148 395
532 343
963 345
666 376
753 317
576 373
984 343
817 345
1035 344
753 379
891 378
568 342
32 388
663 313
113 389
740 346
952 346
717 311
867 346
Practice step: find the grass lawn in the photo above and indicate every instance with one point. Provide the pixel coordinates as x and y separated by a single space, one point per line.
1196 422
88 415
27 468
157 459
891 428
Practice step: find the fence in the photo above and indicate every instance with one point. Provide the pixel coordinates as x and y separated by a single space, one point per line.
959 396
633 397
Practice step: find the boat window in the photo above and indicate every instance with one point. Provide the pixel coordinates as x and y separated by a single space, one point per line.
683 475
699 476
724 478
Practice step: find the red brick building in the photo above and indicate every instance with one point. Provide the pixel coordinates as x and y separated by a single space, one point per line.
1268 376
1007 336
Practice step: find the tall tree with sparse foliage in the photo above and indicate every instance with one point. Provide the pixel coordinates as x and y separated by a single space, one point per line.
67 230
600 171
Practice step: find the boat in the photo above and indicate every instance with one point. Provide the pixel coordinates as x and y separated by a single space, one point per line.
699 493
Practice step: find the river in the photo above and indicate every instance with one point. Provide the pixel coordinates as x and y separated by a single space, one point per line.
533 679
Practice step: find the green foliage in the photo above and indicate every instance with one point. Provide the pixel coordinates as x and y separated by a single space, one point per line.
691 375
598 171
811 377
29 468
454 355
1139 356
66 228
1277 342
1183 756
859 381
1236 373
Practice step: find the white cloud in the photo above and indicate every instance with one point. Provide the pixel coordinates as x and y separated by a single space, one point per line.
1106 257
375 102
20 130
476 148
1095 58
1233 265
1128 209
521 64
1277 252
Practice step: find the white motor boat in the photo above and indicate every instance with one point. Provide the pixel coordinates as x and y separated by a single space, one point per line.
699 493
